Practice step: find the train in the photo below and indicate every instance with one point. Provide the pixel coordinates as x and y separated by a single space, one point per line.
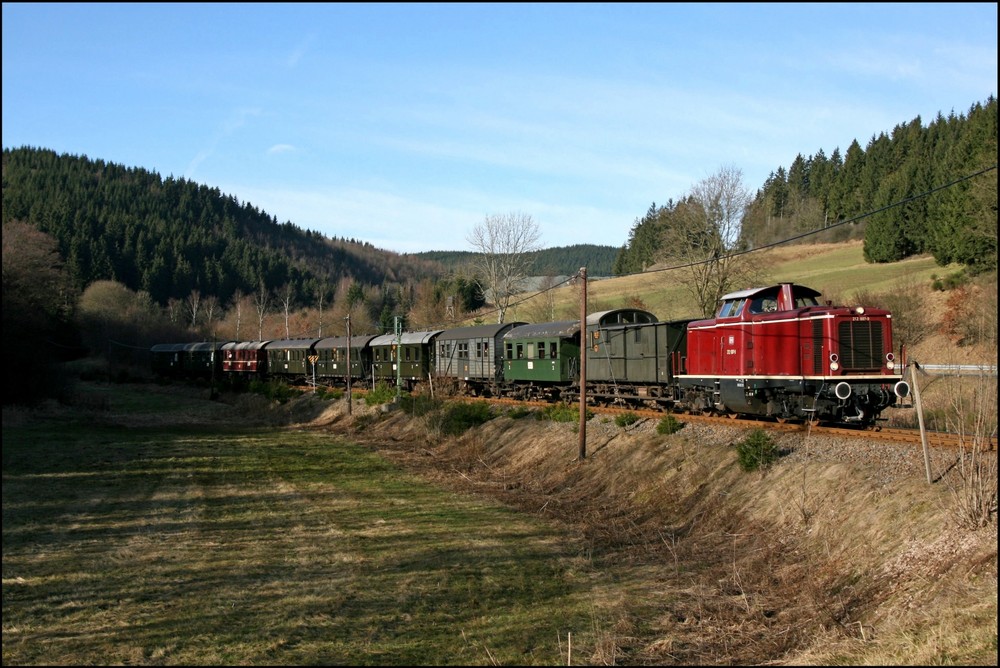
774 352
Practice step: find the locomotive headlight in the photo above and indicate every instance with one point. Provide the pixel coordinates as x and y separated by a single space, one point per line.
834 366
834 362
890 361
860 310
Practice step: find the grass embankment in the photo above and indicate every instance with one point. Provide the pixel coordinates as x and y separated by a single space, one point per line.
174 544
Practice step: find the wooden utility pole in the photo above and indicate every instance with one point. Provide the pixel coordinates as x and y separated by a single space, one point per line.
920 420
349 402
584 341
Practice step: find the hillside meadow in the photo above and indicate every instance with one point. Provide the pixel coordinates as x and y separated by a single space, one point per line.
838 270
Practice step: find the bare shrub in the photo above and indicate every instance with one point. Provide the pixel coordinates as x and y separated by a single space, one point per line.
974 487
971 314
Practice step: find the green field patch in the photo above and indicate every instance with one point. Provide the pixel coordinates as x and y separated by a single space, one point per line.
276 547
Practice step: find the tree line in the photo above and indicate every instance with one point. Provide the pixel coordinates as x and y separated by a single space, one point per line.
956 222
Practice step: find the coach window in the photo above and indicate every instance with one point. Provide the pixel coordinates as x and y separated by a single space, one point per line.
520 351
531 351
509 351
553 349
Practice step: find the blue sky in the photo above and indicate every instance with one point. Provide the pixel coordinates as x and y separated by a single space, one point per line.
406 125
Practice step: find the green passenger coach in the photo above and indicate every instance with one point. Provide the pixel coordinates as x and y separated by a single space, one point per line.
407 357
542 359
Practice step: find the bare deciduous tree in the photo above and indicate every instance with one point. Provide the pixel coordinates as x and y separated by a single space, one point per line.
193 304
210 307
504 244
320 294
703 237
262 302
236 312
287 295
542 305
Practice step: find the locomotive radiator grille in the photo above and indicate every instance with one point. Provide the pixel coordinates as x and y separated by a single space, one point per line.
861 345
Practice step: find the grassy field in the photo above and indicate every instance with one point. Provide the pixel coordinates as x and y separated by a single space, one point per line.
174 544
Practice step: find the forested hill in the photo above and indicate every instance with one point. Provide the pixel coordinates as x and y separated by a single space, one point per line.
170 236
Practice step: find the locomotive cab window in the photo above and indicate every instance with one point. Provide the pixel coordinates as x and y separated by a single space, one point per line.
731 308
766 303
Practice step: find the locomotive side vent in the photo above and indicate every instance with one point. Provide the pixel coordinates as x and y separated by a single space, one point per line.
860 345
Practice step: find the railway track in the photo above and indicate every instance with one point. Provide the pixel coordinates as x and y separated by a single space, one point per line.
936 439
892 435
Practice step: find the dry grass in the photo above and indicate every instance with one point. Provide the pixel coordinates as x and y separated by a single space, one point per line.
809 563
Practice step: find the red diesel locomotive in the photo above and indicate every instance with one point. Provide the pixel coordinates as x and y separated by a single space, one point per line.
776 351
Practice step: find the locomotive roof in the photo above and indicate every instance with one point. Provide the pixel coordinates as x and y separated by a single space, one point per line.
478 331
797 290
405 338
560 328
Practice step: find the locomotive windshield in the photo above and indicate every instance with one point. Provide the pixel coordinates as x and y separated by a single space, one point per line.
731 308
